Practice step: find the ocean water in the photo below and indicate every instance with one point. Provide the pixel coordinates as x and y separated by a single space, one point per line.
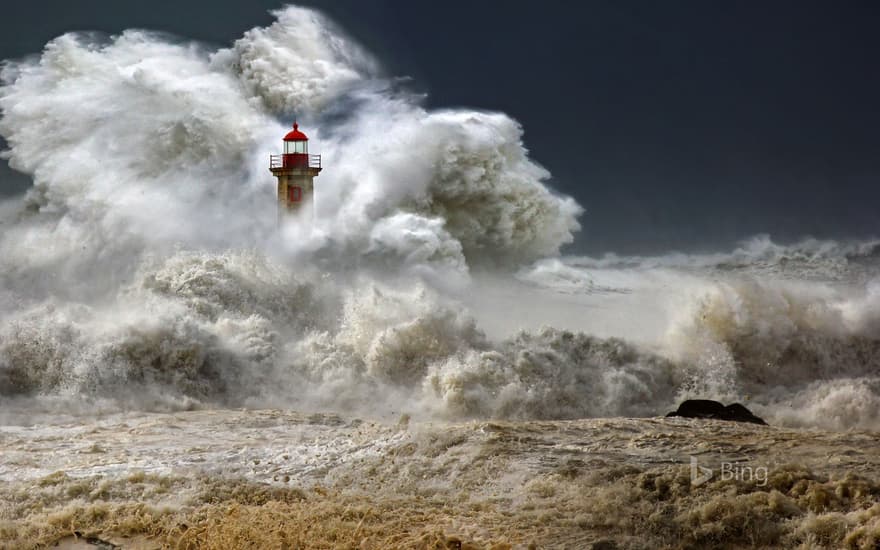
422 366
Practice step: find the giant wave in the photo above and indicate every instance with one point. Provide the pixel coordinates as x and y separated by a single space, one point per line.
144 269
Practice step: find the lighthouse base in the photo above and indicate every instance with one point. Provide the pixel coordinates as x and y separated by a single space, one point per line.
296 192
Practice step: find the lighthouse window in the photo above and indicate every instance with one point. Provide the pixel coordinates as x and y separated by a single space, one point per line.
295 193
296 147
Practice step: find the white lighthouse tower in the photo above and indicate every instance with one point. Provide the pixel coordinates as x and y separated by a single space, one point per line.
296 170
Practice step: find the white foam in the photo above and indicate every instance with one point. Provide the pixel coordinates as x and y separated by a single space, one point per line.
145 269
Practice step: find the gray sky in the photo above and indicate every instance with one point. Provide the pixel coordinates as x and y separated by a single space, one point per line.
678 125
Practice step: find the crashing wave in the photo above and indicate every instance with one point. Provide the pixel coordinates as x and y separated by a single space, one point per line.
145 264
165 143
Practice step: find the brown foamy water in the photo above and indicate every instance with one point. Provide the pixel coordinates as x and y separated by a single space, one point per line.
281 479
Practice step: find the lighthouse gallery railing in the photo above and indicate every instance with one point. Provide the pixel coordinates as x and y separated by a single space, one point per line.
295 160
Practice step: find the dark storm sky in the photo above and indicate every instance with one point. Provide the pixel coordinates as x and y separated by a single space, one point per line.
678 125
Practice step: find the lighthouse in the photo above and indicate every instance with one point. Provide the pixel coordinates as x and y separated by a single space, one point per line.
296 170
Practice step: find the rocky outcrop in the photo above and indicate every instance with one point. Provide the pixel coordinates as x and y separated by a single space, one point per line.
705 408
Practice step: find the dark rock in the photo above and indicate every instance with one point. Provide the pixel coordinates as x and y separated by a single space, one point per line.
705 408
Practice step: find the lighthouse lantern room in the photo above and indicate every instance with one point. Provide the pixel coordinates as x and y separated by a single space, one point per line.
296 170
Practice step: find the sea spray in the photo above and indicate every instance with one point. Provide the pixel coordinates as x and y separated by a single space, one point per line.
144 268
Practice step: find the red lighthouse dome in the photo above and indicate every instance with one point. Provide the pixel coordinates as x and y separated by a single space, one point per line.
296 142
295 134
296 152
